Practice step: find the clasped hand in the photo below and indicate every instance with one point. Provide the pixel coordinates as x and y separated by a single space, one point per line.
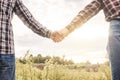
58 36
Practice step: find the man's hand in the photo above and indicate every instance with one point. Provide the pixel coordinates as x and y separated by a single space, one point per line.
58 36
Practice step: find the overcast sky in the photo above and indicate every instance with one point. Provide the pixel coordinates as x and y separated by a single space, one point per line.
86 43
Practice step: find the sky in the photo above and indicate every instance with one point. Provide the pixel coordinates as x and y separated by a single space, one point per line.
86 43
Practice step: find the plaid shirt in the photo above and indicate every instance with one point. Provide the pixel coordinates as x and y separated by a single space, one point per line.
111 10
7 8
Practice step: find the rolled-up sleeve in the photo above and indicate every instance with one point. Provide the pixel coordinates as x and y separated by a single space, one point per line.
84 15
24 14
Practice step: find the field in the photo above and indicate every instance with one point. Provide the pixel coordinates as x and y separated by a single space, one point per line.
49 70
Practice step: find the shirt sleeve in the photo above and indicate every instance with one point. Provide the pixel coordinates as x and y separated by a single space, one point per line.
84 15
24 14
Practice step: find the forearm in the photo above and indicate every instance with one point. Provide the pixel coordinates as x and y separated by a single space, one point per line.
24 14
84 15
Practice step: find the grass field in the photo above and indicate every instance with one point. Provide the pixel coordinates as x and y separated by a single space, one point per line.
50 71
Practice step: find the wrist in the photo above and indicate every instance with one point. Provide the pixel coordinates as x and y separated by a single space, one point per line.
69 28
65 32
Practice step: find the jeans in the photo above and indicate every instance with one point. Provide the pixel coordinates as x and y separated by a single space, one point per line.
114 48
7 67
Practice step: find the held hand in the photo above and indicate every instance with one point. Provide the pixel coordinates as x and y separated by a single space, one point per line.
58 36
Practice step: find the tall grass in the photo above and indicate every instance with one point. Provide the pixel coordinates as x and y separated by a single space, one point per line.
51 71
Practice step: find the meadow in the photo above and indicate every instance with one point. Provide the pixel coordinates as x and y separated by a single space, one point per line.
27 69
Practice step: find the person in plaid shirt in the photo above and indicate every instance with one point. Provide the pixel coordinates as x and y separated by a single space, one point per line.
7 58
111 10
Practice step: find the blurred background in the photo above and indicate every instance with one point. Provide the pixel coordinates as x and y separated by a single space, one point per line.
87 43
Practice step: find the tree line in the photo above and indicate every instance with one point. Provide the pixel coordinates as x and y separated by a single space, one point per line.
42 59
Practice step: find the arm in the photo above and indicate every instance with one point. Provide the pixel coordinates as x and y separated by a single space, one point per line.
83 16
23 13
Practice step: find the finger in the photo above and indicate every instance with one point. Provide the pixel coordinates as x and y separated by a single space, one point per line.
57 39
57 36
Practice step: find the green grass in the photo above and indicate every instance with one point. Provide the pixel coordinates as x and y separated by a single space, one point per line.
29 71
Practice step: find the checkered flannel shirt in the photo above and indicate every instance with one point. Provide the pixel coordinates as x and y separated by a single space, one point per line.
111 10
7 8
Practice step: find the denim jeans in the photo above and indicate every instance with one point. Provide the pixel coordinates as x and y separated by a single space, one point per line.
114 48
7 67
